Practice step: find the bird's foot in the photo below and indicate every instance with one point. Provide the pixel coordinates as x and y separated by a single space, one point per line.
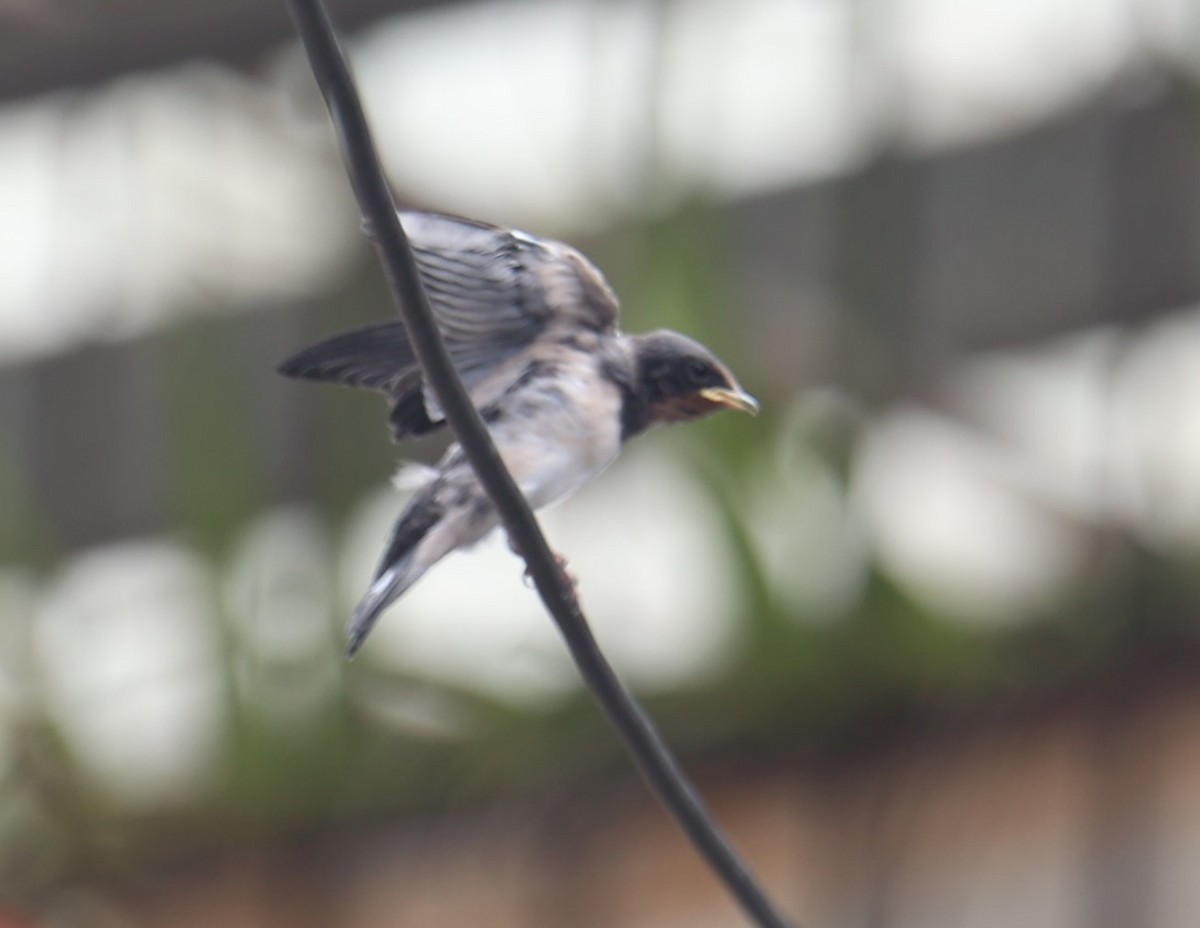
571 580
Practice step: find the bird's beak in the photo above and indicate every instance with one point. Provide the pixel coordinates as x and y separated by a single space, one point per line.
731 399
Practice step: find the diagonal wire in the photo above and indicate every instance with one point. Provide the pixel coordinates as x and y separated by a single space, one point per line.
651 754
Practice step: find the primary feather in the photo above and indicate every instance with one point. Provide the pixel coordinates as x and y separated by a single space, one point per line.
493 292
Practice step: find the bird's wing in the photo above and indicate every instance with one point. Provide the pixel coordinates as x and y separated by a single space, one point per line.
494 293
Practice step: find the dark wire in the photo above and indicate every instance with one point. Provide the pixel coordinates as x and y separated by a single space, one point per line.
652 756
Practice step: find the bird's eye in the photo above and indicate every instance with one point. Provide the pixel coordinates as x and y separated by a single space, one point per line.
697 372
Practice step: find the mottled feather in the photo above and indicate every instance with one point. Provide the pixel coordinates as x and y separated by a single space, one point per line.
531 326
494 293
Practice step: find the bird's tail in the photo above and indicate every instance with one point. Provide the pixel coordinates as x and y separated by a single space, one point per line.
386 589
399 568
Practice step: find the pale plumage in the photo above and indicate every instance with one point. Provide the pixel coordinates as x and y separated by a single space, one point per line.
530 325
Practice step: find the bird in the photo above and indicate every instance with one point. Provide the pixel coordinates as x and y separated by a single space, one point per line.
530 325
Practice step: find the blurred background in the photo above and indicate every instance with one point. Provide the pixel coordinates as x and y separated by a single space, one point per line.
925 633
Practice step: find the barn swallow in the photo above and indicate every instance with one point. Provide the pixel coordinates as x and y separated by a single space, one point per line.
531 327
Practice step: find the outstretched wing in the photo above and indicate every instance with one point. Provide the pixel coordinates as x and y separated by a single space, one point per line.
494 293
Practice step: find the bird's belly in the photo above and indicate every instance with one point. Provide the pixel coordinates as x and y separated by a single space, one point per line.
562 471
558 440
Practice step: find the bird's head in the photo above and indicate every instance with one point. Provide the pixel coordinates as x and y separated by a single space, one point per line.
679 379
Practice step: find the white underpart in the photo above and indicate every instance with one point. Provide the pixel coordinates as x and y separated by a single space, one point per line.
552 441
559 442
412 475
556 439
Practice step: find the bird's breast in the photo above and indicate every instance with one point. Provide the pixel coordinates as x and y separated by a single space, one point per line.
560 430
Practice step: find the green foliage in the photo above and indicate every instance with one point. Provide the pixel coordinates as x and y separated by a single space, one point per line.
793 684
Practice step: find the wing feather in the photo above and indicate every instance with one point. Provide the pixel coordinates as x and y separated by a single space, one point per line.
494 292
372 357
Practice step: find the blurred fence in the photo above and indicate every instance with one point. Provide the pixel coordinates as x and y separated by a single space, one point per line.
180 744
